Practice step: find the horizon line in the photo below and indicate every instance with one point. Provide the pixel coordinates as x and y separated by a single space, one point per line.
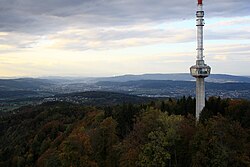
107 76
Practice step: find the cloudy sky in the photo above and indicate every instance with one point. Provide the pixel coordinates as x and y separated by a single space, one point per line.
114 37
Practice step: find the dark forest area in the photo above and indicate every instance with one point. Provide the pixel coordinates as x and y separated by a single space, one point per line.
152 134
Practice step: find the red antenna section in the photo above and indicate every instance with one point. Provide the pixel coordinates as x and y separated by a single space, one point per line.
200 2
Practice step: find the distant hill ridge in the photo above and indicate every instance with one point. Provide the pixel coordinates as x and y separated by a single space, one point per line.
36 83
23 84
219 78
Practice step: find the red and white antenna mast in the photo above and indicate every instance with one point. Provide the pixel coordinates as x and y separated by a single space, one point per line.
200 71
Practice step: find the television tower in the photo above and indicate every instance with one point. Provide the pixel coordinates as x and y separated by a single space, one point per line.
200 71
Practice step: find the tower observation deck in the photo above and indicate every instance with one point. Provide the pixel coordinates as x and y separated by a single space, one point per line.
200 70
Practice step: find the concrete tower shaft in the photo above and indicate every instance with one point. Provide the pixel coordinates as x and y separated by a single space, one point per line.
200 71
200 96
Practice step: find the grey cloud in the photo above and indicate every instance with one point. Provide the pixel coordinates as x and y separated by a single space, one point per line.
36 16
107 38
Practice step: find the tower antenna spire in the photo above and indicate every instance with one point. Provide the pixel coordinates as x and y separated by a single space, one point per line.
200 71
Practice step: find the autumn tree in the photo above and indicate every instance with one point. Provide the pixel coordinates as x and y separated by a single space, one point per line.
220 142
103 138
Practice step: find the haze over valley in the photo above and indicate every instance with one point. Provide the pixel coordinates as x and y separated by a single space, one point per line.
29 91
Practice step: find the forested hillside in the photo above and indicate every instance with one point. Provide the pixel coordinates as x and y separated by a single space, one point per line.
159 133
